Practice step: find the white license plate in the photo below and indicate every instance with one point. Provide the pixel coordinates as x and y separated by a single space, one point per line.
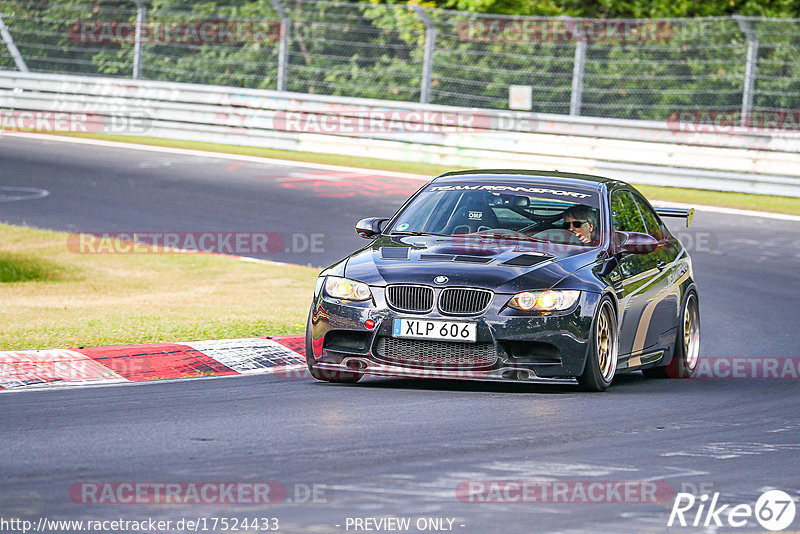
444 330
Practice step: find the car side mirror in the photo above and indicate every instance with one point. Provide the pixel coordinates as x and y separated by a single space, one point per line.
370 228
635 243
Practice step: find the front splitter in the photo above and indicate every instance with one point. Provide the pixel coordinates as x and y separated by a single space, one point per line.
504 374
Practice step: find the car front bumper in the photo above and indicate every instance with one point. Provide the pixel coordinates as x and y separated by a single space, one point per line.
531 348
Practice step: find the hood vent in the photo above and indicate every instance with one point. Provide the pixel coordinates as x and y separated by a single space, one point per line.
394 253
436 257
473 259
526 260
454 257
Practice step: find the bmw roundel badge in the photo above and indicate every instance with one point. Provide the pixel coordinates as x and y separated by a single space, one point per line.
440 279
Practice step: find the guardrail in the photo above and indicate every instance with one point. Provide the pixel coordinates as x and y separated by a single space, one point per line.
648 152
640 69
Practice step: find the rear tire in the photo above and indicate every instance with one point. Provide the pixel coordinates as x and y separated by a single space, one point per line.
324 375
687 344
601 362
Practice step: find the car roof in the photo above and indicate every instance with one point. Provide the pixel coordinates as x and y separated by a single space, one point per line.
564 179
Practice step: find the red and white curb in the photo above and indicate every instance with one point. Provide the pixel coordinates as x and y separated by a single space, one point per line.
114 364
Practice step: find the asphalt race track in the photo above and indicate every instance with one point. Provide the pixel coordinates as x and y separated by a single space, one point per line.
392 448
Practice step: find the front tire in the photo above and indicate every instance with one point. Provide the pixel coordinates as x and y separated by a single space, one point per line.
601 362
325 375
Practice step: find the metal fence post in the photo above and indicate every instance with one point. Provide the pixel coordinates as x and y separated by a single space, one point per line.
749 69
283 47
141 20
427 61
576 97
12 48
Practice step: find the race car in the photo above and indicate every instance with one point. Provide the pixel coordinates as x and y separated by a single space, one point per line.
513 276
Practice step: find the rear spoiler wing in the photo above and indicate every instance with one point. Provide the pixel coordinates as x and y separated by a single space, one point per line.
687 213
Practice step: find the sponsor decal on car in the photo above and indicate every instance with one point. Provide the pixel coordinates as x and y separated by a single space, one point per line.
510 189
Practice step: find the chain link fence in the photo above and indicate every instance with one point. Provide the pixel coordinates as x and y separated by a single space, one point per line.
631 69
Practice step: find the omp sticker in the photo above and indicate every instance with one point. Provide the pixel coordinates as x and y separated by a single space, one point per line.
156 361
52 368
475 215
249 355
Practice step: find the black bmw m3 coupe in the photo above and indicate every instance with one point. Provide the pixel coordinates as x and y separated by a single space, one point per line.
509 275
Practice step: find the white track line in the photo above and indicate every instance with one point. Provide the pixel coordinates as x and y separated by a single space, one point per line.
323 166
216 155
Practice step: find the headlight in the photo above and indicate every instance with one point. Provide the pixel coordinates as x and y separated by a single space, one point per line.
346 289
544 300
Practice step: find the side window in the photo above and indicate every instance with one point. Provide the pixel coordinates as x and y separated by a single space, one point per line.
624 214
650 218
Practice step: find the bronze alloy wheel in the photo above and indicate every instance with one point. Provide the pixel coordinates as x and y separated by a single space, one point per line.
691 333
606 342
601 360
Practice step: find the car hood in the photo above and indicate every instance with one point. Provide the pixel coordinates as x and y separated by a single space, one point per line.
503 267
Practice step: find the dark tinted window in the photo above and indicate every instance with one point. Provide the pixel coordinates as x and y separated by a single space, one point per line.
650 218
624 213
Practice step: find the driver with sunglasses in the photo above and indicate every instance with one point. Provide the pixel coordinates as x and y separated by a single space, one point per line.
580 220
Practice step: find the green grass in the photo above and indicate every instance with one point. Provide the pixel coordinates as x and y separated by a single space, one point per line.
54 298
769 203
703 197
18 268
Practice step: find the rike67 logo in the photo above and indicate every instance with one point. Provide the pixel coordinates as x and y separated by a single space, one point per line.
774 510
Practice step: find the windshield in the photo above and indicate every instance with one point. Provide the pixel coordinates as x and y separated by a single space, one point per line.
530 211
